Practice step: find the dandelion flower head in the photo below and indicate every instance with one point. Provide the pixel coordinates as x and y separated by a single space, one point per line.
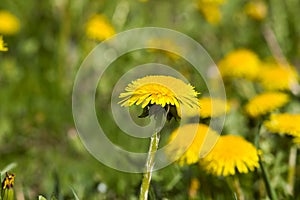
160 90
273 76
9 24
284 123
265 103
241 63
203 140
230 155
99 28
213 107
2 44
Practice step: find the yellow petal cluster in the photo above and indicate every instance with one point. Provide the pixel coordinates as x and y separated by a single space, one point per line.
9 24
284 123
256 9
99 28
265 103
160 90
241 63
230 155
203 139
211 10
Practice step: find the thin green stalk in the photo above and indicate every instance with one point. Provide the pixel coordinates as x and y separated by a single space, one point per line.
292 170
270 191
235 187
149 166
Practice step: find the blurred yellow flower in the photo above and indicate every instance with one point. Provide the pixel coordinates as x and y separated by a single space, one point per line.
230 155
273 76
241 63
165 44
211 10
9 24
2 44
256 9
194 187
207 109
284 123
265 103
99 28
7 190
160 90
203 141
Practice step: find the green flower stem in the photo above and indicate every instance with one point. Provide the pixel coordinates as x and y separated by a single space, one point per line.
270 191
234 184
149 166
292 169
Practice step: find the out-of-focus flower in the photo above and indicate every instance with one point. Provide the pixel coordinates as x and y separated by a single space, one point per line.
284 124
7 190
99 28
256 9
213 107
203 140
241 63
210 10
164 45
2 44
265 103
230 155
168 92
9 24
273 76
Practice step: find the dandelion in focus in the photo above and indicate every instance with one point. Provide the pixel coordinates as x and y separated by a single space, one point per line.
265 103
273 76
241 63
170 93
99 28
202 140
9 24
232 154
284 123
2 44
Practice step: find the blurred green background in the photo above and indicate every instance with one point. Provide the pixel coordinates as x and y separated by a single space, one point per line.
37 132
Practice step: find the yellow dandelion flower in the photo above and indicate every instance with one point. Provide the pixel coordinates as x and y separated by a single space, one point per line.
9 24
265 103
256 10
202 142
241 63
284 123
160 90
2 44
99 28
273 76
211 10
230 155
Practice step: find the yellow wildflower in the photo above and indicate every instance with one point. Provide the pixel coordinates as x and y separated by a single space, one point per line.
284 123
203 140
213 107
211 10
265 103
160 90
273 76
2 44
194 187
256 9
241 63
230 155
7 190
99 28
9 24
